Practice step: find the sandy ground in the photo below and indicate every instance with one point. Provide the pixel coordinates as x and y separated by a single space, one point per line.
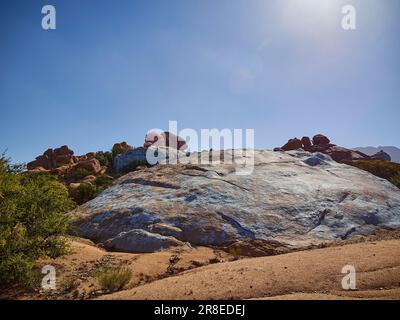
76 272
205 273
313 274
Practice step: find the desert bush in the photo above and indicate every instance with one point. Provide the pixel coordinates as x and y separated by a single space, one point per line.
84 193
33 218
105 158
88 191
117 149
80 173
383 169
102 182
396 180
114 278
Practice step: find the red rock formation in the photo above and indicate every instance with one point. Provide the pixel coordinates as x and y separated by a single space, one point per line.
306 142
52 159
320 139
322 144
292 144
62 162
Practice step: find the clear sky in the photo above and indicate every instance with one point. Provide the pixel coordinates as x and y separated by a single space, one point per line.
112 70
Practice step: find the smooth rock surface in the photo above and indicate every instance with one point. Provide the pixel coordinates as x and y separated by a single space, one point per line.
292 198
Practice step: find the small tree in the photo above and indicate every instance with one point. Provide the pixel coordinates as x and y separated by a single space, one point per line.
33 216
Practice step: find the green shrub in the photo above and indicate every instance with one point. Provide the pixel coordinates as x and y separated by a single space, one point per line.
88 191
117 149
102 182
84 193
114 278
396 180
80 173
33 218
105 158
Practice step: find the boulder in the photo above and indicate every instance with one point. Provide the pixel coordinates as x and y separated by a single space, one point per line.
64 159
306 142
138 240
90 155
320 139
63 151
165 139
292 144
53 158
92 165
341 154
41 161
290 200
122 147
73 186
322 144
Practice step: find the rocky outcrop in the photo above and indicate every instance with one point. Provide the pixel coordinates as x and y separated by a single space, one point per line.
321 143
164 139
392 151
53 158
132 158
121 147
381 155
62 162
290 200
292 144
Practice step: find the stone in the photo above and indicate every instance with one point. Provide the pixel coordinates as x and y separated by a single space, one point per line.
124 160
122 147
322 144
341 154
292 144
306 142
73 186
64 160
90 179
320 139
165 139
138 240
90 155
41 161
92 165
63 150
291 200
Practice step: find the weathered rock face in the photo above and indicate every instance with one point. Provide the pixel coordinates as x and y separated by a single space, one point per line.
291 199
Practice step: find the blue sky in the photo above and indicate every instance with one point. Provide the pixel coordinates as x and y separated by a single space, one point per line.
112 70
